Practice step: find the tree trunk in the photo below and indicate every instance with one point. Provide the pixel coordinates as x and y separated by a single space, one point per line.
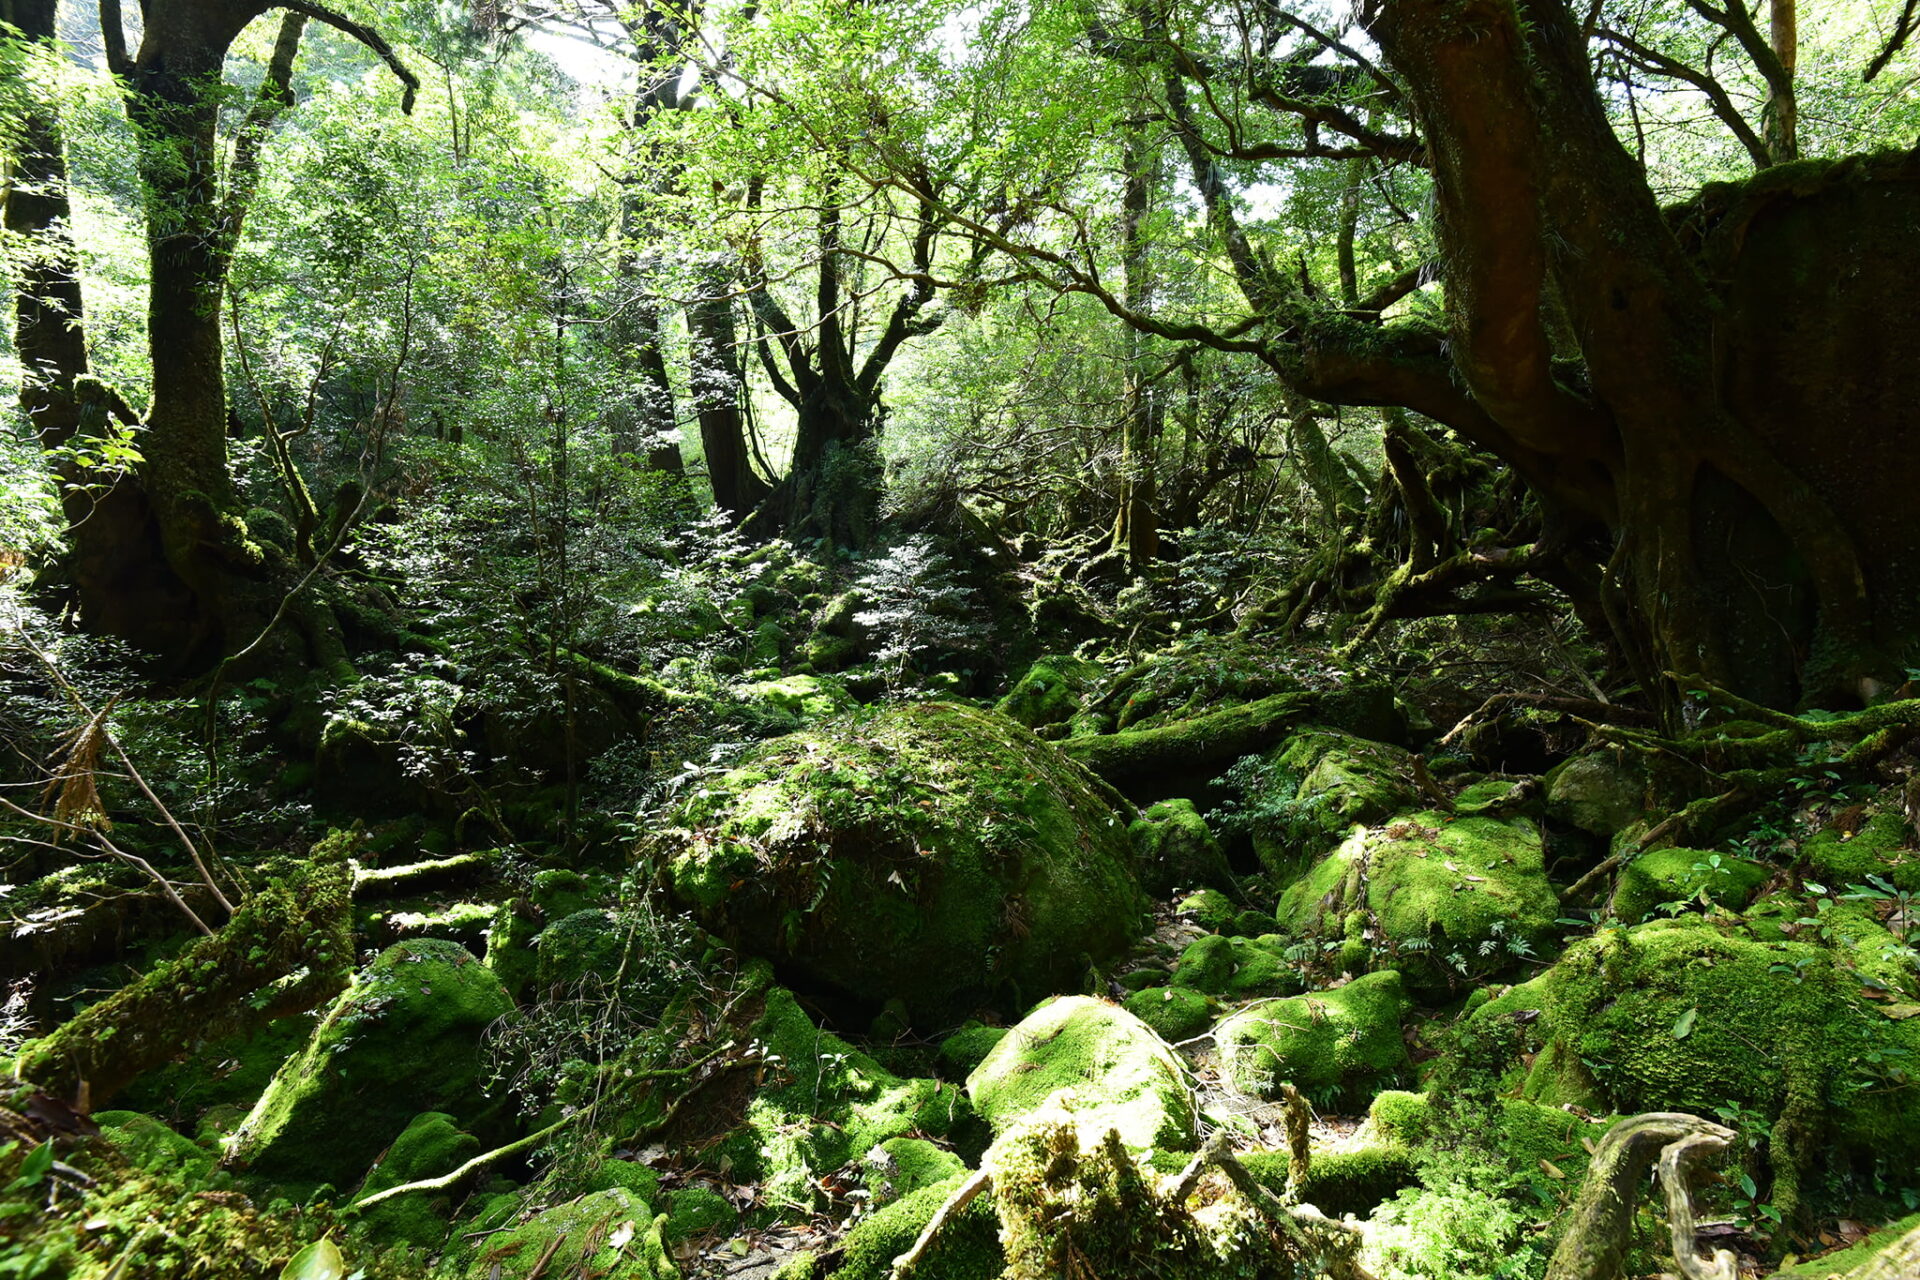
718 392
1136 532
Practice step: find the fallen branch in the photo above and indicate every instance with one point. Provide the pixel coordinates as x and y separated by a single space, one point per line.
1676 1177
963 1195
448 1180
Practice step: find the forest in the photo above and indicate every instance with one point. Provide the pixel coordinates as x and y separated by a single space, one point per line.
960 640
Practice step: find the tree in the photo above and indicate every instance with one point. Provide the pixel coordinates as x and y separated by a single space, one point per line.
1709 403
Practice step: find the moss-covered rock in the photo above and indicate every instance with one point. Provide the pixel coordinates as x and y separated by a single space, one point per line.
937 854
1686 1015
1343 1043
1526 1133
1844 1262
1238 967
901 1166
402 1039
1051 691
1122 1076
573 947
1310 790
1442 898
1173 849
1174 1013
967 1249
823 1105
1879 848
966 1048
697 1212
612 1235
1211 909
1350 1181
155 1147
1685 876
432 1144
803 697
1599 792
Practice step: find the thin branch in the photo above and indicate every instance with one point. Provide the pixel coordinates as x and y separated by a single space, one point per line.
367 36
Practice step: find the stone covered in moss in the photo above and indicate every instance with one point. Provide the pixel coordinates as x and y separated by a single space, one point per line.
1599 792
1438 897
803 697
1238 967
1315 786
585 943
1682 1015
967 1249
824 1105
964 1050
697 1212
1338 1183
148 1144
612 1235
1211 909
1527 1132
937 854
1340 1043
431 1145
1174 1013
402 1039
1122 1076
1879 848
901 1166
1684 876
1173 849
1051 691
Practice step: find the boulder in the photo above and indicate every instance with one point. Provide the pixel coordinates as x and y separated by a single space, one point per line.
1441 898
1312 788
1599 792
1340 1043
1686 877
1121 1075
402 1039
1174 1013
932 853
1173 849
612 1235
968 1248
1238 967
1880 847
1051 691
432 1144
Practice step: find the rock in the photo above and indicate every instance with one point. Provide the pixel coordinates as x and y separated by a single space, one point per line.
694 1213
1344 1042
1526 1134
901 1166
403 1038
1051 691
1879 848
1122 1076
148 1144
1684 876
1599 792
1440 898
805 698
1351 1181
968 1248
1315 786
432 1144
1174 1013
1211 910
964 1050
1238 967
933 853
1173 849
612 1235
824 1106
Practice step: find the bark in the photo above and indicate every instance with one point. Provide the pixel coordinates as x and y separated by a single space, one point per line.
1599 1228
1136 532
719 392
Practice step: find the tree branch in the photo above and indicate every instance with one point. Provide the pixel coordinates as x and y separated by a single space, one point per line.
367 36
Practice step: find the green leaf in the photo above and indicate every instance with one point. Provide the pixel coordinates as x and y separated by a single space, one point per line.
320 1260
38 1161
1683 1026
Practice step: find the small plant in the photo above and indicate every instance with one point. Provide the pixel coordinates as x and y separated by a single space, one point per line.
917 608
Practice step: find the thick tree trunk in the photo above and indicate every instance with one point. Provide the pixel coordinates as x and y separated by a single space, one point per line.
1136 532
1747 416
718 396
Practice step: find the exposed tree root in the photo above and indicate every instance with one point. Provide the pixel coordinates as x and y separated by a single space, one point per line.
1600 1224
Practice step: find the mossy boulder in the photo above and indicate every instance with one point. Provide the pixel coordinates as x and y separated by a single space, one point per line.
148 1144
967 1249
1051 691
966 1048
1173 849
403 1038
1685 876
1211 910
1314 786
1122 1076
933 853
901 1166
697 1212
1238 967
612 1235
1348 1181
1174 1013
1526 1133
1439 897
803 697
1687 1015
1344 1043
589 942
432 1144
823 1105
1878 848
1598 792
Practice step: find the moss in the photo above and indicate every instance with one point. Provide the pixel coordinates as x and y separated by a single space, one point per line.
968 1249
1141 979
937 854
1173 849
558 893
430 1145
1339 1182
1343 1043
1315 786
804 698
1051 691
1121 1074
901 1166
1527 1132
580 1238
510 950
1598 792
571 948
1878 848
466 923
697 1212
1844 1262
826 1106
223 1072
1211 909
1445 898
1684 875
1237 967
1174 1013
148 1144
962 1051
402 1039
643 1182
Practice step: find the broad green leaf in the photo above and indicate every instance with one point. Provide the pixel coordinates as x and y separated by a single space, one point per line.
1683 1026
38 1161
320 1260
